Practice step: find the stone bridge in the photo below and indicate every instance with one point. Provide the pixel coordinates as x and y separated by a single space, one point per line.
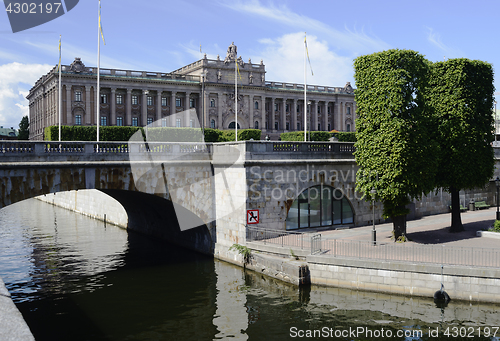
204 196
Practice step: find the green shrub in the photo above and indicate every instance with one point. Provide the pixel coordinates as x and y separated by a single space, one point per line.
243 135
89 133
496 226
212 135
299 136
346 136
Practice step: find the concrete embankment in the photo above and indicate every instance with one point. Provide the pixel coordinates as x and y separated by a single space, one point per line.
12 325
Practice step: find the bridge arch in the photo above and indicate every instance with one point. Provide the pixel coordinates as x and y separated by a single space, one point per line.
320 206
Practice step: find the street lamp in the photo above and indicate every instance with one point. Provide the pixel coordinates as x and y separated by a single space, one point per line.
374 233
147 93
497 182
496 121
203 75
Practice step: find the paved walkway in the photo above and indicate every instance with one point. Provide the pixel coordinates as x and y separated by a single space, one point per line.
429 230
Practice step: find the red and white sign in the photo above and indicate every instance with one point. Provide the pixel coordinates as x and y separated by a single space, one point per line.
252 216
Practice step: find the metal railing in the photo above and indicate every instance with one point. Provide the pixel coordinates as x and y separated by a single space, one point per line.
356 249
280 238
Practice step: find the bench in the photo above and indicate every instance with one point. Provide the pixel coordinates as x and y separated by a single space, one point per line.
481 204
462 208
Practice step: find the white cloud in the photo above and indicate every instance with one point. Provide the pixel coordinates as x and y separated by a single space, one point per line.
284 60
351 40
14 78
435 39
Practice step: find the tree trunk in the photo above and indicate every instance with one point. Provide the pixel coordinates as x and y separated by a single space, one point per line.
456 219
399 223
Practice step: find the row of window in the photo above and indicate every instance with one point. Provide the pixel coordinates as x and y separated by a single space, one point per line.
178 102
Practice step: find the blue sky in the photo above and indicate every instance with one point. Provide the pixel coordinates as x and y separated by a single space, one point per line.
164 35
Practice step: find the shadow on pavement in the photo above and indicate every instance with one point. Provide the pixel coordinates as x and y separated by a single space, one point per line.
442 235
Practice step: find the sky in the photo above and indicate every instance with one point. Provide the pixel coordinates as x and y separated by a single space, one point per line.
163 35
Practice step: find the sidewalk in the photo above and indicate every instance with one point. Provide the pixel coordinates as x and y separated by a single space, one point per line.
428 230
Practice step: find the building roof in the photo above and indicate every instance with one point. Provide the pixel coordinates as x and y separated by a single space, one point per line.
8 131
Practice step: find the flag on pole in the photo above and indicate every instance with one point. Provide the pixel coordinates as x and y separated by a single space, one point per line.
307 51
200 47
100 25
238 68
59 65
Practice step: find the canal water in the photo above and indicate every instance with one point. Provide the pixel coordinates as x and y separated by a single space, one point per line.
75 278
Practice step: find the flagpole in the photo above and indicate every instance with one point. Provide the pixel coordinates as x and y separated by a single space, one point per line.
98 70
236 97
60 90
305 89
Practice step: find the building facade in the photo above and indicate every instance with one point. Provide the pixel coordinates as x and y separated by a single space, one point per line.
139 98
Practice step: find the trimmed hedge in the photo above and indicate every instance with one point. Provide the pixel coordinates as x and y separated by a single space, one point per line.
299 136
346 136
159 134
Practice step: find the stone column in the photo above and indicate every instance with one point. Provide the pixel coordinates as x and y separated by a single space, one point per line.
263 114
112 108
187 115
219 110
283 117
128 105
173 109
204 114
144 108
158 113
88 110
273 114
251 122
293 119
325 115
314 116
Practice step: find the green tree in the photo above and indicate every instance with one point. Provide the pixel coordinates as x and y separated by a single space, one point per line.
24 131
394 148
461 94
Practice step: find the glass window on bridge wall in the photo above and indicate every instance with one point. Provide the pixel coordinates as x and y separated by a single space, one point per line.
320 206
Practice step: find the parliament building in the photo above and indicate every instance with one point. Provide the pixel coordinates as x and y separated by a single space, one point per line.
140 98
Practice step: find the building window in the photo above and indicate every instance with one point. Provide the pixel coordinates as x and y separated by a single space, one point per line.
164 101
276 107
119 99
319 126
178 123
329 127
78 96
191 102
104 99
256 105
104 121
150 120
287 108
319 206
348 110
78 120
191 123
135 121
319 109
178 102
256 125
329 110
212 123
298 126
163 122
298 107
212 103
135 100
287 126
348 127
276 126
150 100
119 121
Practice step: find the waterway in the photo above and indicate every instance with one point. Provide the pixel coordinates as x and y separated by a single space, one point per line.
75 278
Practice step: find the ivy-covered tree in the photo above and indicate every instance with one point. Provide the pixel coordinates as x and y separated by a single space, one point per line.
24 131
394 150
461 94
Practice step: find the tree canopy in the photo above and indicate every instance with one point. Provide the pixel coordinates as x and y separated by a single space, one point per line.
394 148
24 132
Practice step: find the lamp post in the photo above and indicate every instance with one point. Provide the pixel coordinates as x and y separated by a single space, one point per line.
495 117
203 75
374 233
497 182
147 93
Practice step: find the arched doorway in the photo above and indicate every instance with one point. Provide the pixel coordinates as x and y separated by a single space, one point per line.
232 125
319 206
